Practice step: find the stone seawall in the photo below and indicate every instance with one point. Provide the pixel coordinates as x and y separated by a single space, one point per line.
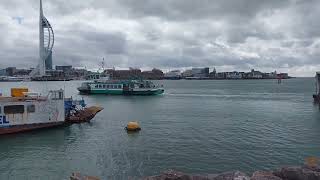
285 173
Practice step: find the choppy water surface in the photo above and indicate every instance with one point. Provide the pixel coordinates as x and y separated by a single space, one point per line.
195 127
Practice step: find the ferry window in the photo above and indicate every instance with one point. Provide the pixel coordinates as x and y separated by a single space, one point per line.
100 86
111 86
31 108
60 95
14 109
96 86
119 86
104 86
108 87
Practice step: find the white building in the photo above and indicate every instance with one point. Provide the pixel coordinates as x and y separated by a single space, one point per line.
175 74
234 75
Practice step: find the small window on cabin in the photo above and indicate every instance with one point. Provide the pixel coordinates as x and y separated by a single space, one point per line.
60 95
14 109
96 86
104 86
31 108
108 86
119 86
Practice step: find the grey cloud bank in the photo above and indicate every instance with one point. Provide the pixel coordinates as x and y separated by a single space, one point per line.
281 35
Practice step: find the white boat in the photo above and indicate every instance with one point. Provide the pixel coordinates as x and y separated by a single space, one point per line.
13 78
21 113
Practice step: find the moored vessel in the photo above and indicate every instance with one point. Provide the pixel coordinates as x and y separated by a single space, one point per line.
25 111
13 79
316 97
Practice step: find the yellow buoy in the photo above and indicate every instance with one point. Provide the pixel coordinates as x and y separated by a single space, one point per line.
133 126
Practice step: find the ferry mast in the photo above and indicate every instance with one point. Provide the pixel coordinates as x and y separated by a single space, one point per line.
318 83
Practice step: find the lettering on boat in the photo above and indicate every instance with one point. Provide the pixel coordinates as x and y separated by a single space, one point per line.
3 120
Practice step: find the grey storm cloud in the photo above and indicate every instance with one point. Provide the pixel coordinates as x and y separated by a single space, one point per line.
268 35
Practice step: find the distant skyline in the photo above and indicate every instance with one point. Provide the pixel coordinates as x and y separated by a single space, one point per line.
282 35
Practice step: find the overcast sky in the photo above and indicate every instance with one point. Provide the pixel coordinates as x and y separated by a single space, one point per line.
267 35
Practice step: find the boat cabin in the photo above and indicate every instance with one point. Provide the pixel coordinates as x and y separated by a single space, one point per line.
25 108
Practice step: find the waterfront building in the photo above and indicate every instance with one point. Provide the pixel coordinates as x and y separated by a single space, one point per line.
3 72
175 74
187 73
10 71
283 75
234 75
78 73
154 74
271 75
221 75
200 72
64 68
254 74
132 73
213 73
55 74
22 72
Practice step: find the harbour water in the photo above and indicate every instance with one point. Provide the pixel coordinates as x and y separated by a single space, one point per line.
195 127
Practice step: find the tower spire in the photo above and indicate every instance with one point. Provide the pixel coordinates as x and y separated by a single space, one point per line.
41 43
46 42
41 10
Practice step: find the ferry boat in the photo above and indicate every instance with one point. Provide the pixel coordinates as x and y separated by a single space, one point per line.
120 87
316 96
13 79
25 111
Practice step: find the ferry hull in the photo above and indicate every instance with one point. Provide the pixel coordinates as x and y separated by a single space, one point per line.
145 93
120 92
28 127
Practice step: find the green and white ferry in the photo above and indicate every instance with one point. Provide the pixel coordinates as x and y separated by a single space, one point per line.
120 87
